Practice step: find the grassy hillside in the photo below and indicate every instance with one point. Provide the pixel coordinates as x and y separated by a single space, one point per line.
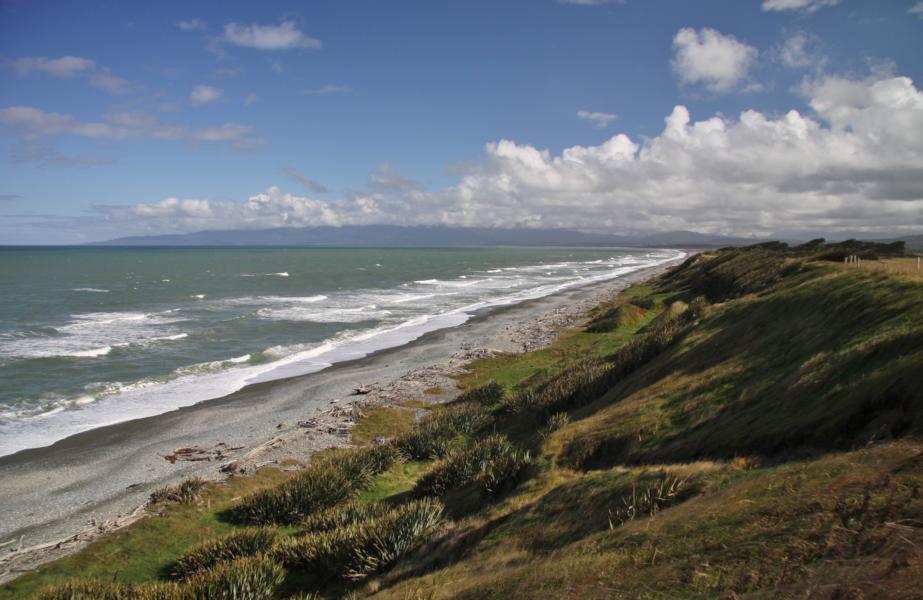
749 425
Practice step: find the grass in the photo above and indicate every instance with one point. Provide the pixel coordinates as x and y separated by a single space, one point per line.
148 548
510 370
381 422
749 425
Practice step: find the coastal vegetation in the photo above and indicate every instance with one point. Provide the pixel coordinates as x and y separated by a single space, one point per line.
750 424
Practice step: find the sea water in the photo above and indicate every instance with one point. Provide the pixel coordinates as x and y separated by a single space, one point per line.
94 336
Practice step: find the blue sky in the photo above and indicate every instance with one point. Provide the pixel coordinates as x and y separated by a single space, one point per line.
140 117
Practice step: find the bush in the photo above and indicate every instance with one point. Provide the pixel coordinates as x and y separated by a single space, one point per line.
399 533
248 542
346 515
84 589
650 499
187 492
254 578
320 486
554 422
490 461
433 436
241 579
486 395
89 589
355 551
645 302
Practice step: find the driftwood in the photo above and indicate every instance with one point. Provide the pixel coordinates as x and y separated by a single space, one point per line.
195 453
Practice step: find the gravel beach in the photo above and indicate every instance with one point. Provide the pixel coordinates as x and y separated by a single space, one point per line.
56 499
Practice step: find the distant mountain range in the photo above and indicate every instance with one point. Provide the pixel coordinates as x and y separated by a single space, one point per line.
416 236
429 236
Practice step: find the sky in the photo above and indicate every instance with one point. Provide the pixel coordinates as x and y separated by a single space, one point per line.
739 117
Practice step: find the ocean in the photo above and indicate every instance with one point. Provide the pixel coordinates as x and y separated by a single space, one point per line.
95 336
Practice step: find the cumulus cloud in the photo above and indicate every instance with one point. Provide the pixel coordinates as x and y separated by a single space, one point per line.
203 94
312 185
707 57
284 36
35 123
916 9
807 6
598 119
68 67
855 162
799 51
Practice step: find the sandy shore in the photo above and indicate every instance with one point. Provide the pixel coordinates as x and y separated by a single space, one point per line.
55 499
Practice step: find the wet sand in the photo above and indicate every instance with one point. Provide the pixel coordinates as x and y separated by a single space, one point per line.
99 480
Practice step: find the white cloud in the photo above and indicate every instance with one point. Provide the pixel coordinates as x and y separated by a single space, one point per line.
203 94
707 57
799 51
327 89
808 6
269 37
916 9
65 66
855 163
68 67
250 99
312 185
191 25
34 123
600 120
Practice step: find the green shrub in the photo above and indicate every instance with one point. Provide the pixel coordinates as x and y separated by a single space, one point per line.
553 423
490 461
89 589
320 486
650 499
253 578
84 589
501 473
248 542
355 551
351 513
397 534
488 394
432 437
645 302
186 492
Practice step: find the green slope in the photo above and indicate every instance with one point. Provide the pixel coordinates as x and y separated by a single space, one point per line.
748 425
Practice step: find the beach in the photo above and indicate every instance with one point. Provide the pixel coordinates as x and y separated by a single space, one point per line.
56 499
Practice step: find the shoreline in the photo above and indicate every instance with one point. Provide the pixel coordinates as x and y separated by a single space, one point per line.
57 498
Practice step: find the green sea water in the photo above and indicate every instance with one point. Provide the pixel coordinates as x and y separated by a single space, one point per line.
92 336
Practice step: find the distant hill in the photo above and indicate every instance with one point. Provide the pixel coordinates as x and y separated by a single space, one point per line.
393 235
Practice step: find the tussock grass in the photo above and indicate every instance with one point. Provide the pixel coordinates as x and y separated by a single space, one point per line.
241 579
433 436
344 516
255 578
487 394
322 485
357 550
494 463
186 492
584 382
247 542
553 423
